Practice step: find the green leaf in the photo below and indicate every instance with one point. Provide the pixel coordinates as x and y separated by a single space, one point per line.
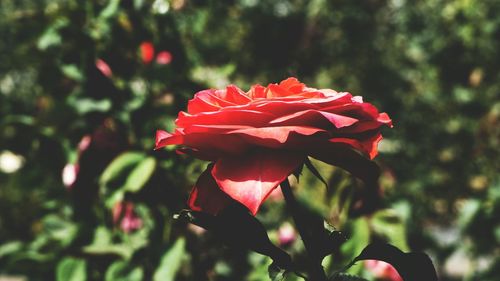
71 269
51 36
122 164
360 236
140 175
110 10
123 271
103 245
171 262
276 273
390 224
10 248
410 266
86 105
72 71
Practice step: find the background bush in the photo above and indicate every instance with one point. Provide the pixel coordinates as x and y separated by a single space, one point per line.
432 65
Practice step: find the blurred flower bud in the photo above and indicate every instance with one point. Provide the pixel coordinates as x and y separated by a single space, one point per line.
124 215
164 57
69 173
147 52
286 234
382 270
103 68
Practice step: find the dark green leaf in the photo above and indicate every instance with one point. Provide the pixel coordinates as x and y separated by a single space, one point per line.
411 266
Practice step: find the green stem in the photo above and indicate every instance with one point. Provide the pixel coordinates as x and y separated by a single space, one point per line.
314 268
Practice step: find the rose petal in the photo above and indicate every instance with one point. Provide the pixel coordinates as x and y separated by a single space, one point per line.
207 100
314 118
363 111
274 136
234 95
225 117
368 146
206 196
250 178
257 92
164 138
292 84
343 156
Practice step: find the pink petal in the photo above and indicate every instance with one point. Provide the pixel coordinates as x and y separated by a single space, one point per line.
163 139
206 195
103 67
252 177
314 118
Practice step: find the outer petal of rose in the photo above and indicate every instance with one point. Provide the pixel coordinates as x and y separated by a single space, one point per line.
206 196
292 84
212 143
368 146
225 117
251 178
274 137
314 118
343 156
207 100
164 138
257 92
234 95
356 110
291 104
198 104
384 118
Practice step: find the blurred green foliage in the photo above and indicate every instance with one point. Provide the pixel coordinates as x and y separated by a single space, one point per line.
432 65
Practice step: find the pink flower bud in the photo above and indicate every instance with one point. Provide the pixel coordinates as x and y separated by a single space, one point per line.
69 173
286 234
382 270
124 211
103 68
164 57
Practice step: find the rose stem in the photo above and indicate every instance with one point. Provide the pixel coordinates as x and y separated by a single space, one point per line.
315 269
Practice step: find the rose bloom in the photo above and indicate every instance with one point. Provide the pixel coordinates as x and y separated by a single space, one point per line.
255 140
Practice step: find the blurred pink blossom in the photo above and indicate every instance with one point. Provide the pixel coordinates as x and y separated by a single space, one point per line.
69 173
286 234
103 67
164 57
382 270
124 215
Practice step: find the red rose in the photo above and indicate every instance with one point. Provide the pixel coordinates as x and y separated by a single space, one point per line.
258 138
